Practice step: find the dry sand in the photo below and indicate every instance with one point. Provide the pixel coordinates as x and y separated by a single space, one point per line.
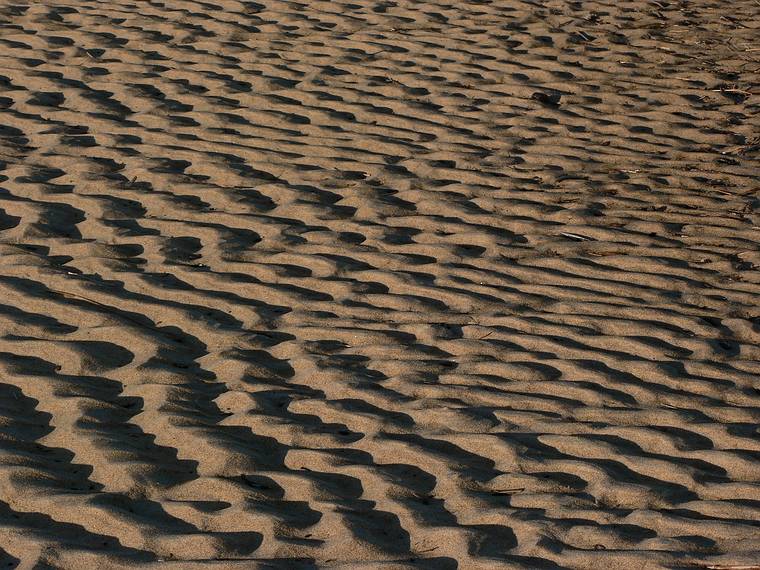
391 284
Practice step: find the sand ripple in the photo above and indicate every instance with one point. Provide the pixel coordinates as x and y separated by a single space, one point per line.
382 284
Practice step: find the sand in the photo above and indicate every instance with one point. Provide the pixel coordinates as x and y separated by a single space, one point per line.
379 284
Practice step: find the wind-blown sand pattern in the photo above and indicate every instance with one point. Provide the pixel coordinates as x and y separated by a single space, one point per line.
392 284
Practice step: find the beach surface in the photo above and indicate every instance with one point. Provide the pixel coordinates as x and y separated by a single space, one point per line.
394 284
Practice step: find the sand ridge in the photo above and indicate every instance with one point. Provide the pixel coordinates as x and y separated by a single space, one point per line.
379 284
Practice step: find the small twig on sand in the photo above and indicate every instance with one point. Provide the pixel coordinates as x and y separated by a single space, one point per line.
733 90
576 237
427 550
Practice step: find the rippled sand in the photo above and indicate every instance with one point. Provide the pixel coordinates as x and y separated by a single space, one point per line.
379 284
